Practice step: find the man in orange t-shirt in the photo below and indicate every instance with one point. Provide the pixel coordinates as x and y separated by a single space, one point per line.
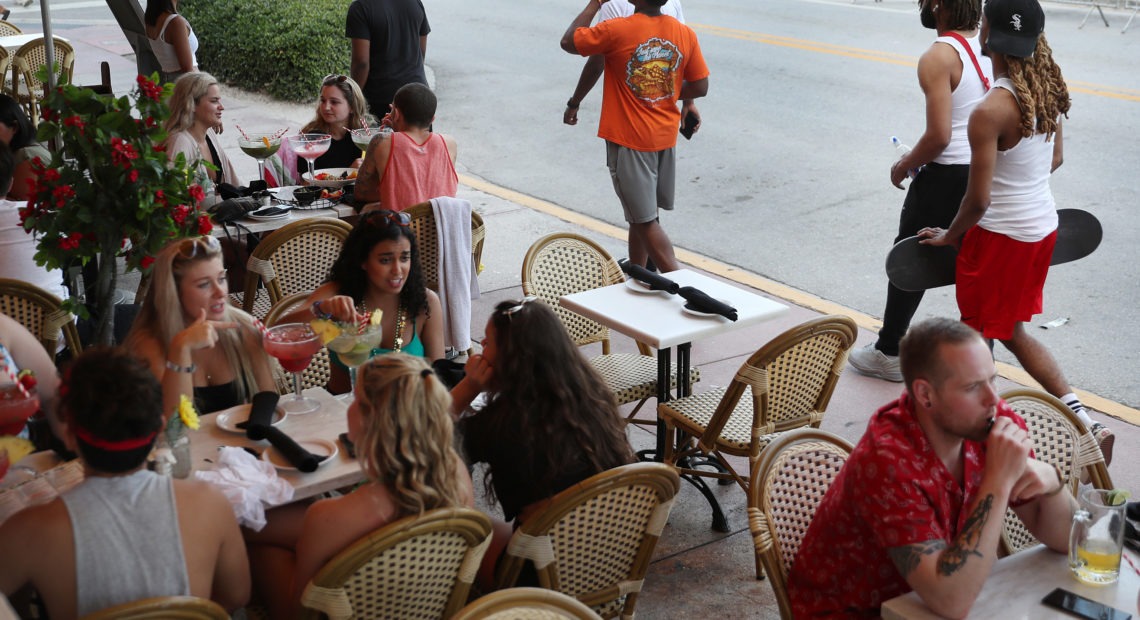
652 60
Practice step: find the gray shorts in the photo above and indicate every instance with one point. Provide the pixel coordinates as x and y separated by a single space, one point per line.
643 181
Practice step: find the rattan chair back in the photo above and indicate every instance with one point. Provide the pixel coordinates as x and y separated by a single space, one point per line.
526 604
8 29
320 369
1060 438
423 226
26 63
41 313
5 63
594 540
164 608
295 258
418 567
785 489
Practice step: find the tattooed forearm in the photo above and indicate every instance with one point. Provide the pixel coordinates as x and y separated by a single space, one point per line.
906 558
967 542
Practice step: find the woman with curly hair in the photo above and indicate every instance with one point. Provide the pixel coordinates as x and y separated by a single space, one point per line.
195 341
379 268
340 109
400 426
195 111
549 421
1007 223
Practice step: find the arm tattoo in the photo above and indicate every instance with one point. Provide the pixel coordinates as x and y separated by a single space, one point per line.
967 542
907 558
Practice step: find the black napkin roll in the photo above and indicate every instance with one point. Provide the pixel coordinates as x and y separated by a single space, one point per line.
701 302
656 281
299 457
261 410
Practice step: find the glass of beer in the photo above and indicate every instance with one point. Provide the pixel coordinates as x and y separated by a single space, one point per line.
1097 537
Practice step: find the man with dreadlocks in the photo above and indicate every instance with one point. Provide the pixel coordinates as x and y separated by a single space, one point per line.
954 77
1007 222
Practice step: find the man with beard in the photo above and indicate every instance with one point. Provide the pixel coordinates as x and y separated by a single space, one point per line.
919 503
954 77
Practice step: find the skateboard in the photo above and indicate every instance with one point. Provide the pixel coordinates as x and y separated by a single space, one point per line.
912 266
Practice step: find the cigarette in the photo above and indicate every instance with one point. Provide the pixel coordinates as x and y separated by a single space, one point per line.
990 424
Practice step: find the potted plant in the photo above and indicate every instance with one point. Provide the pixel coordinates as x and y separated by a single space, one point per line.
109 191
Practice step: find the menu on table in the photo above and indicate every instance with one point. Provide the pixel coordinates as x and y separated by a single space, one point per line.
40 489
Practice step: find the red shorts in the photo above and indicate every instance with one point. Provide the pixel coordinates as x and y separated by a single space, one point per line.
999 280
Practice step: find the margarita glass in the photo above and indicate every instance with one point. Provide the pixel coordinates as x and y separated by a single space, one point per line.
294 344
17 405
310 146
355 348
260 146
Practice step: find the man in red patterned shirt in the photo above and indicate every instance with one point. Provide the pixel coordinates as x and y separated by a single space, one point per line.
920 502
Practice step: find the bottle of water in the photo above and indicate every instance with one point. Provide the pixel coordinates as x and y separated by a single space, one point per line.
902 150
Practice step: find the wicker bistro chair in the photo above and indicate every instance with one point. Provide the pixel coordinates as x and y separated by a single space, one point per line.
786 384
526 604
164 608
595 539
427 240
26 63
565 263
5 62
320 369
295 258
8 29
1060 439
417 567
41 313
785 489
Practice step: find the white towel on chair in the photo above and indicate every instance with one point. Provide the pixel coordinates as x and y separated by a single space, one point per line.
457 282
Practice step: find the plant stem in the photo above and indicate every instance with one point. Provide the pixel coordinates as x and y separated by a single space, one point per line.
104 312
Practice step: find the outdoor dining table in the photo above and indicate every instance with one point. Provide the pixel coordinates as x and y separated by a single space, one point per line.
1018 582
339 210
657 319
13 42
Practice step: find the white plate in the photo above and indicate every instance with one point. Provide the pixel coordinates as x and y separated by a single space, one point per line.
319 447
267 218
336 183
637 286
685 308
228 419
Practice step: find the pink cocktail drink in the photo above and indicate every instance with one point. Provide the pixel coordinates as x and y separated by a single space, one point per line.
294 345
16 406
310 146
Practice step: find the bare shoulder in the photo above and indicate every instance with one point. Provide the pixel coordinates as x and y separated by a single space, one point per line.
202 495
434 305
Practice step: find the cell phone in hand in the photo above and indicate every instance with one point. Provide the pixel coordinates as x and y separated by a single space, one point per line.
1082 607
689 125
349 447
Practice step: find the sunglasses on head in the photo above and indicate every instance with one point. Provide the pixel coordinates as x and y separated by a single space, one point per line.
508 312
198 246
398 218
333 78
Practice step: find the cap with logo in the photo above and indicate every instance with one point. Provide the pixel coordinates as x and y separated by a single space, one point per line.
1014 26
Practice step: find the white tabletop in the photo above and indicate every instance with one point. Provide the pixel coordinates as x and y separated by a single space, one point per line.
1019 582
656 318
14 41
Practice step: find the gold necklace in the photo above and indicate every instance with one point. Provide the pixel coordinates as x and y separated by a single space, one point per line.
400 320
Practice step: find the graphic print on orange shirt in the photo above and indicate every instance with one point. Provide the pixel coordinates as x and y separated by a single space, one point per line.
651 68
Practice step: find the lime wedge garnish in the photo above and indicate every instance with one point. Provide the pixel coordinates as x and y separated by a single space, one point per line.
1116 497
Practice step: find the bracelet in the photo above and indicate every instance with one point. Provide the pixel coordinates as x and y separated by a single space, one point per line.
316 308
573 106
1060 483
176 368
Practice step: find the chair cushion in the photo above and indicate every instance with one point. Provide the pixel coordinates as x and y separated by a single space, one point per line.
694 413
633 377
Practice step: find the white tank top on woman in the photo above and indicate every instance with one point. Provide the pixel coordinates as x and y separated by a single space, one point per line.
964 99
164 52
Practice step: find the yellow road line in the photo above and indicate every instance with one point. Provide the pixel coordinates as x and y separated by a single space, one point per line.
770 287
1088 88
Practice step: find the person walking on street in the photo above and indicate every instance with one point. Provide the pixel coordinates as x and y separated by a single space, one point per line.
1006 226
954 77
651 61
389 42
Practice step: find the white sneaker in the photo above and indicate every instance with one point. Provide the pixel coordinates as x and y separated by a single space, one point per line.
874 363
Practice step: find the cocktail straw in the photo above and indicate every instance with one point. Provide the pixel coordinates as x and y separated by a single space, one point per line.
241 131
260 327
16 379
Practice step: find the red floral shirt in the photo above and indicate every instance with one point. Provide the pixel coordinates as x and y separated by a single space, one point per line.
893 491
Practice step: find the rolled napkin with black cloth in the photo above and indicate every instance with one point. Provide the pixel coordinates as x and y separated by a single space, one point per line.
699 301
299 457
261 410
656 281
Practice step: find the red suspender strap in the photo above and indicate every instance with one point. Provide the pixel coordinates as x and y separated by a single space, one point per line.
969 50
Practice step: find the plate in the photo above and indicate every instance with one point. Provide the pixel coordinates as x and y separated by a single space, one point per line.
228 419
335 183
319 447
687 310
267 218
637 286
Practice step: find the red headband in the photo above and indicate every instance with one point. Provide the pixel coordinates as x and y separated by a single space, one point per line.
121 445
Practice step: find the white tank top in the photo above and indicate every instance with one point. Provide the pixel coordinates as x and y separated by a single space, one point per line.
164 52
1021 203
964 99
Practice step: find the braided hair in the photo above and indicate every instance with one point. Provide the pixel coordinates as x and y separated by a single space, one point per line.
1041 91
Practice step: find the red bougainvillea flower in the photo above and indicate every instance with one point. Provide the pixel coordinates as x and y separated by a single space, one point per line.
204 225
133 176
179 214
160 197
146 262
149 88
122 152
61 194
49 175
70 242
196 193
74 121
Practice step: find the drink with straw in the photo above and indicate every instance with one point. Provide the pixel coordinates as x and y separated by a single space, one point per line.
352 343
310 146
294 345
261 147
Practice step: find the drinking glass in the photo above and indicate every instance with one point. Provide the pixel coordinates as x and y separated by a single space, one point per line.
363 137
1097 537
17 405
355 347
260 146
294 344
310 146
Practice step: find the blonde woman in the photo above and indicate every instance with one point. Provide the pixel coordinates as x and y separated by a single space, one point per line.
340 109
402 431
194 340
195 111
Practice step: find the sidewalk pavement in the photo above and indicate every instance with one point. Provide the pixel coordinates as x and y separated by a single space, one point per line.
688 549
